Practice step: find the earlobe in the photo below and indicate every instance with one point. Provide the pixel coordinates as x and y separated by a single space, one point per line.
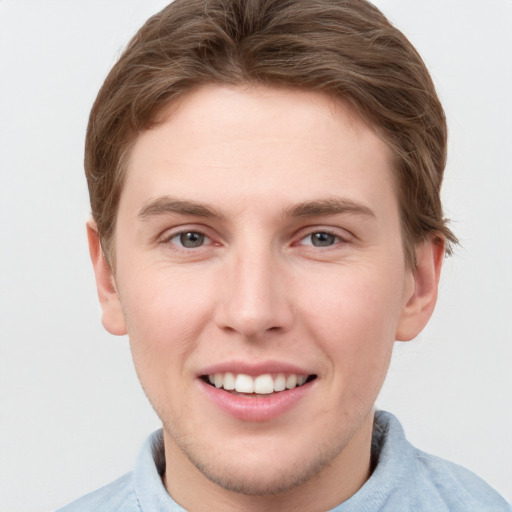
112 313
420 302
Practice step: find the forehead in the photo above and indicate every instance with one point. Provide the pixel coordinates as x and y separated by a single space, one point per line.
258 144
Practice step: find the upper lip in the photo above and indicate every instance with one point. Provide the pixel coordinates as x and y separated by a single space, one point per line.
253 369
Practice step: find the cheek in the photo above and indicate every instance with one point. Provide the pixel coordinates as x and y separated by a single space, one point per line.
355 320
164 316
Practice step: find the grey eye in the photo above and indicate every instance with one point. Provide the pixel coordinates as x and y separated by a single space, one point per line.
191 239
322 239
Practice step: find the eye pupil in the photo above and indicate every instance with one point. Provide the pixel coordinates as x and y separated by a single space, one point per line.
322 239
191 239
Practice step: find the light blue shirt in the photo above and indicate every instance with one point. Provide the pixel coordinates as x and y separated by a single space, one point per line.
404 479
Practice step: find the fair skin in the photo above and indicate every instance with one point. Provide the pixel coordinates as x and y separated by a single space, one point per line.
258 233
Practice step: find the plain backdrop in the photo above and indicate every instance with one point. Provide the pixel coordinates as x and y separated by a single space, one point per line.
72 415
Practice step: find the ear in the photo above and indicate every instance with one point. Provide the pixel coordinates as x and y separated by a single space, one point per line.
112 313
422 295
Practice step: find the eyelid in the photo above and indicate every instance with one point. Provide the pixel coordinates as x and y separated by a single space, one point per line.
343 235
204 238
168 234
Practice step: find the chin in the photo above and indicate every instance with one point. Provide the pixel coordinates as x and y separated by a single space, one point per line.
260 481
259 473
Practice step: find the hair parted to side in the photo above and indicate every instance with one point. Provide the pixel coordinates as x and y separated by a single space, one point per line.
344 48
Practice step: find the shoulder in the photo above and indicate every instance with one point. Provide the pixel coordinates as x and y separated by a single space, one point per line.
455 486
432 483
116 496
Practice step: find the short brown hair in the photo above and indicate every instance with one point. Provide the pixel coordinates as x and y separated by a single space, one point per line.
344 48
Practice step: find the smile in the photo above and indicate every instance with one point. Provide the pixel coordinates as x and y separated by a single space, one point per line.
259 397
264 384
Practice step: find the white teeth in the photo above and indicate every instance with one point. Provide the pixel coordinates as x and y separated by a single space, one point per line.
229 381
244 383
291 381
264 384
280 383
301 379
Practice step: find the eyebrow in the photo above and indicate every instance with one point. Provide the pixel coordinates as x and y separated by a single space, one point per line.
169 205
315 208
331 206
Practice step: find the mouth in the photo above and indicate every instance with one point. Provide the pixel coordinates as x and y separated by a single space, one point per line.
256 386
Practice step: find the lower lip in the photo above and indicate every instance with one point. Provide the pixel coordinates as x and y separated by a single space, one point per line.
263 408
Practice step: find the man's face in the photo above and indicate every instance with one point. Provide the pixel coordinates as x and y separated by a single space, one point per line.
258 234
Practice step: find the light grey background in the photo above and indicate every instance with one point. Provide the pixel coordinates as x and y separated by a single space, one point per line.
72 415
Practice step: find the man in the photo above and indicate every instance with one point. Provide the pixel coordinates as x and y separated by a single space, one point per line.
265 187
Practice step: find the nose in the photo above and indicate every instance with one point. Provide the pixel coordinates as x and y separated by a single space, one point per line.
254 299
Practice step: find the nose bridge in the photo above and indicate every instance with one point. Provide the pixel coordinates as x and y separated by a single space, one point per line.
255 299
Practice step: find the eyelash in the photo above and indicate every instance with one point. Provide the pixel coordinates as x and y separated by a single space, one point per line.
179 245
168 239
337 238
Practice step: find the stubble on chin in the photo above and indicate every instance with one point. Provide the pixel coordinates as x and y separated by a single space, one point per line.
262 481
